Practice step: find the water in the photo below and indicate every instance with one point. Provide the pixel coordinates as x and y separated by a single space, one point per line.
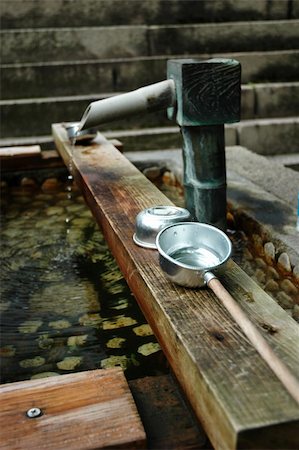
65 306
201 258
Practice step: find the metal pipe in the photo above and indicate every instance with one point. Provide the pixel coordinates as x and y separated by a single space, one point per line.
146 99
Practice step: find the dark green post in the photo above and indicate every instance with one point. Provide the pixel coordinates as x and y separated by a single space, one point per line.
208 96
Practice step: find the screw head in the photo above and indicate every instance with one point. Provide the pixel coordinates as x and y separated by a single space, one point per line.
32 413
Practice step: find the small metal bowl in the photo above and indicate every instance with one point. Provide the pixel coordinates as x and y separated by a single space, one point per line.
187 251
152 220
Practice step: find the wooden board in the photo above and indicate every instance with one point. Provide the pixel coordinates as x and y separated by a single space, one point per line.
238 399
87 410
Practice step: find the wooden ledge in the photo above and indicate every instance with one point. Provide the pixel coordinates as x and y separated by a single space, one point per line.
87 410
237 398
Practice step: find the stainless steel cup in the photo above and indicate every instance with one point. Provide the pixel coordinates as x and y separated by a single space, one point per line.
152 220
188 251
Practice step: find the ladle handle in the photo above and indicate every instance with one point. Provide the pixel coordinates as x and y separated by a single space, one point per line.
261 345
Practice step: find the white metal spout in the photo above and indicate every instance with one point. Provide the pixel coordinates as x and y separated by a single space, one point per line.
150 98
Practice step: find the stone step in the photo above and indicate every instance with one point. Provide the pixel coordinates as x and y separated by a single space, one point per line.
74 13
94 43
263 136
268 137
25 117
113 75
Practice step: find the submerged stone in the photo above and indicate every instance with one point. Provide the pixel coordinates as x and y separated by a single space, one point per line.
54 211
143 330
60 324
45 342
119 322
69 363
148 349
93 320
115 342
44 375
4 306
50 184
66 299
33 362
115 361
75 341
7 351
30 326
296 313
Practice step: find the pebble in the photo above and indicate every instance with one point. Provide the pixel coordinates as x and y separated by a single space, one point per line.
75 208
169 178
114 361
260 276
258 243
28 182
148 349
93 320
30 326
247 254
272 273
296 271
152 173
284 262
45 342
269 250
260 263
69 363
296 312
7 351
44 375
54 211
247 267
60 324
284 300
115 342
75 341
50 184
288 287
4 306
118 323
272 286
143 330
32 362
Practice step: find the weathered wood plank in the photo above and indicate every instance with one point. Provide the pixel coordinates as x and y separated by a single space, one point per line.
236 396
87 410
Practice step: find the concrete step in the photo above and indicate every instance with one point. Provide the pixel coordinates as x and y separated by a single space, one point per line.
113 75
268 137
74 13
263 136
25 117
94 43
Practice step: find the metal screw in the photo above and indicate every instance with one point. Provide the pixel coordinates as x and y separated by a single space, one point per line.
32 413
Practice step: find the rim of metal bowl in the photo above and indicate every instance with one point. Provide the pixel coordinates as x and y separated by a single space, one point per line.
144 243
188 266
164 214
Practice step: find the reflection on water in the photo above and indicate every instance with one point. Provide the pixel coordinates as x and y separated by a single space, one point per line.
64 304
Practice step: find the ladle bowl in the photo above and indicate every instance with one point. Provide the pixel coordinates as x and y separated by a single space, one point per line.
189 250
188 253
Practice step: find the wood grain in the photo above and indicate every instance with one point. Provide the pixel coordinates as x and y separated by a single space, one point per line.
238 399
87 410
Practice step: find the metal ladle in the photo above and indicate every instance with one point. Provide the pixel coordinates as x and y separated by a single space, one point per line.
189 252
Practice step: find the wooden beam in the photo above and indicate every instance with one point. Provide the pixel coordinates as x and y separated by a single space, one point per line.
235 395
87 410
